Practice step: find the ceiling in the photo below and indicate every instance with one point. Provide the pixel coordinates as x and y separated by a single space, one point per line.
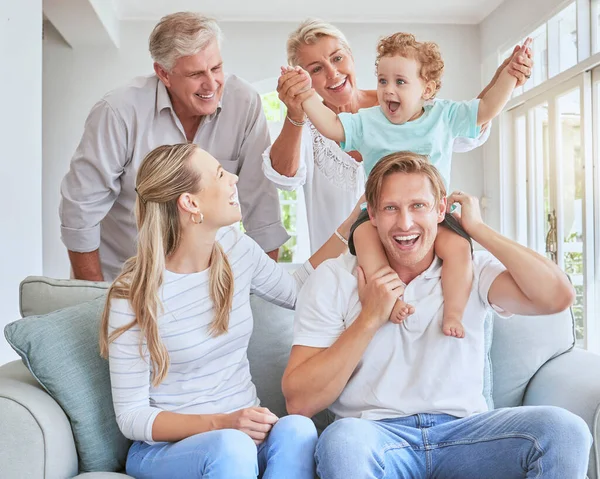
401 11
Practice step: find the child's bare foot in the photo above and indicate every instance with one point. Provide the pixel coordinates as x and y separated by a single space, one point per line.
452 326
401 311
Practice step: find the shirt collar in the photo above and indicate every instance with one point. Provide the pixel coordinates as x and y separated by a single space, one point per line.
163 100
434 270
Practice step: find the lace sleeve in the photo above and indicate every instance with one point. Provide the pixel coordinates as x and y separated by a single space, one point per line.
337 166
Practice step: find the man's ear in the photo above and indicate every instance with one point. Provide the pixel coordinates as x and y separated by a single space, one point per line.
372 217
162 74
430 90
442 208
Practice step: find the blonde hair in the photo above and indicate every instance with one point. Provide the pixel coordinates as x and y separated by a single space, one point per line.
426 53
182 34
308 33
402 162
165 174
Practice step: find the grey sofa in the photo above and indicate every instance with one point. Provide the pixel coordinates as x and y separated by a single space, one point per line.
533 363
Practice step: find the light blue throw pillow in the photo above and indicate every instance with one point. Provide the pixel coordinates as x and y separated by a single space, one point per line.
61 351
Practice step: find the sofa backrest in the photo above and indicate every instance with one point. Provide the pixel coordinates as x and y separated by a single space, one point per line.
270 343
520 346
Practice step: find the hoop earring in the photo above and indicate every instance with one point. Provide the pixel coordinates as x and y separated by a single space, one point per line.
194 219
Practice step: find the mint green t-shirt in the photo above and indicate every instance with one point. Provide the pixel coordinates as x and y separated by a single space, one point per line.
432 134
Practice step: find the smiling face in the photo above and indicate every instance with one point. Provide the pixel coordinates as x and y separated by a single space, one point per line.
401 91
331 68
218 198
407 218
195 83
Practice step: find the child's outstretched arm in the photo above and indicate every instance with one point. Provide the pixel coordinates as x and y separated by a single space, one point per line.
497 96
325 120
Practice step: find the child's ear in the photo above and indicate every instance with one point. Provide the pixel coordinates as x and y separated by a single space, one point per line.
430 90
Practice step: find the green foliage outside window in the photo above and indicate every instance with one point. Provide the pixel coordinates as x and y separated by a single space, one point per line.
574 267
272 106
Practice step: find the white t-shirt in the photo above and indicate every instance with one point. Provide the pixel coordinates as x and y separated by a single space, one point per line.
409 368
332 180
207 374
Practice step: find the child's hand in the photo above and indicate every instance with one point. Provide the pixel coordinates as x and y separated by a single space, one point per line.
289 73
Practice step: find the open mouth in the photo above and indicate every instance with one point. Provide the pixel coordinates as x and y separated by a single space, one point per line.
208 96
338 86
406 241
393 106
234 200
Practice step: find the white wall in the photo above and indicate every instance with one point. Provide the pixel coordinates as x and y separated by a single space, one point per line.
503 28
75 79
21 157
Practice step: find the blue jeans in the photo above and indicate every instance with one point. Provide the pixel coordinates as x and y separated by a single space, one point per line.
524 442
288 452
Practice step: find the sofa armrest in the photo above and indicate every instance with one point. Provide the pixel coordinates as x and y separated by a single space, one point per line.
571 381
35 434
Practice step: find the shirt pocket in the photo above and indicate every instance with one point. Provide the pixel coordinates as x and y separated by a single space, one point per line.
232 166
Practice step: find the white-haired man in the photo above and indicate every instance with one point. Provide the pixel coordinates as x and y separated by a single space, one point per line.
188 99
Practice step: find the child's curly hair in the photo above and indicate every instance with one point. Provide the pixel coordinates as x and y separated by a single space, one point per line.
426 53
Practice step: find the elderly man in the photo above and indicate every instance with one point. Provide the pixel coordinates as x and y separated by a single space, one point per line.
189 99
408 399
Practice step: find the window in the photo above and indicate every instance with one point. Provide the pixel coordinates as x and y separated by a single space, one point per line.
293 210
554 47
562 40
554 196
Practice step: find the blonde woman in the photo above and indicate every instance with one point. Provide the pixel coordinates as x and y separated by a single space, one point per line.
177 324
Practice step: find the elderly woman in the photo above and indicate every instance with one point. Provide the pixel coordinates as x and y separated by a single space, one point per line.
332 179
176 328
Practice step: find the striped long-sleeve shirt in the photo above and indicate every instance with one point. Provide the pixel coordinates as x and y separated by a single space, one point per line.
207 375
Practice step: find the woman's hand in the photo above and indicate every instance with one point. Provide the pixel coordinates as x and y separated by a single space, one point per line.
293 87
519 63
345 227
254 421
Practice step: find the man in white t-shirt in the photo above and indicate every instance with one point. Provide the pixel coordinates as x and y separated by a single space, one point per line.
408 399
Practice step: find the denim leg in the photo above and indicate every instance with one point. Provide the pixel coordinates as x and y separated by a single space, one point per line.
221 454
525 442
354 448
289 450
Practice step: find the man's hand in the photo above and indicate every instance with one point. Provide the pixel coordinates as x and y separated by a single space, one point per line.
378 295
254 421
470 213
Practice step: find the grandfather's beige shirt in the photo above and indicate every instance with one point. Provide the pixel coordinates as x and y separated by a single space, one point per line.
98 197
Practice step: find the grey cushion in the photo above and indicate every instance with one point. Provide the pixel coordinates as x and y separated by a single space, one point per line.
522 344
269 351
61 351
41 295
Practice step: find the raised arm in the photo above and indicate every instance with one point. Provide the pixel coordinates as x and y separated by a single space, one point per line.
90 188
285 153
496 97
325 120
519 65
531 284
